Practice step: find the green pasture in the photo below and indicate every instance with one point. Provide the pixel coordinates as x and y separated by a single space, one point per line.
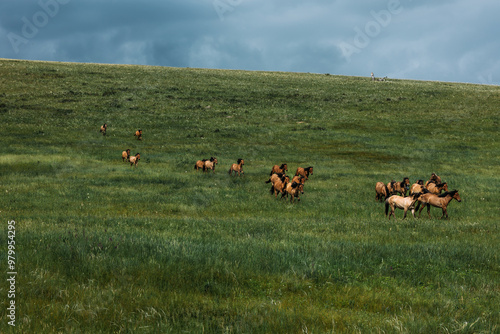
103 247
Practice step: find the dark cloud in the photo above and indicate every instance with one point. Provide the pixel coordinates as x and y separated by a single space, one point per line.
452 40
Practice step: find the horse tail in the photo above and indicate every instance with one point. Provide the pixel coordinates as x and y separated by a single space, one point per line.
387 193
386 207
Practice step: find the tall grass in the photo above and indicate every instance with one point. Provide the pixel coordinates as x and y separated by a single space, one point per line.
106 247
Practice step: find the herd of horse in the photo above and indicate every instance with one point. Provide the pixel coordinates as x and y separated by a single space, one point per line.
420 195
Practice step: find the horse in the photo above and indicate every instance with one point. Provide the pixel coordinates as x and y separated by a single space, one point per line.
381 191
200 164
279 182
417 187
279 169
304 172
134 160
400 202
104 127
126 155
439 201
293 189
210 164
399 187
237 167
436 188
434 178
138 134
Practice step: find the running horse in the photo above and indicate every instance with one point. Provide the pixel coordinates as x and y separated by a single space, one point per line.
404 203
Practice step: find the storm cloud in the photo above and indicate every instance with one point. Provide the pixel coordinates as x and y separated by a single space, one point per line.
451 40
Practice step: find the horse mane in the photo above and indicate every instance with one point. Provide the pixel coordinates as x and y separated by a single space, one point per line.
441 184
451 193
239 160
282 166
421 182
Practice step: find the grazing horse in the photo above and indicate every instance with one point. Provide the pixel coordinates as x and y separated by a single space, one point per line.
279 169
200 164
404 203
381 191
293 189
399 187
237 167
279 182
434 178
104 127
126 155
134 159
436 188
439 201
138 134
304 172
210 164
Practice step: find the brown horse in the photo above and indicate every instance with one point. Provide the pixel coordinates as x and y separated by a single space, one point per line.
304 172
138 134
404 203
434 178
279 182
134 160
381 191
436 188
237 167
126 155
279 169
210 164
104 127
293 189
439 201
399 187
200 164
417 187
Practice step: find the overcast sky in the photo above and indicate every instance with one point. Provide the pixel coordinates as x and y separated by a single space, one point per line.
443 40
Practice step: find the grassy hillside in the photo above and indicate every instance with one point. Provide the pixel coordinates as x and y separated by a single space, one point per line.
101 246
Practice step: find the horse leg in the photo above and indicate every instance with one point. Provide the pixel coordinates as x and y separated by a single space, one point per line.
429 210
445 212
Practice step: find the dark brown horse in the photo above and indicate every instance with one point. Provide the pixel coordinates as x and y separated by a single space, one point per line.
438 201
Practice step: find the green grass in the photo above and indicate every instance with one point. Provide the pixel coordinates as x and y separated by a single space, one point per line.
104 247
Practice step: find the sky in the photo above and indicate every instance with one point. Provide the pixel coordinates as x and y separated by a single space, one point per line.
440 40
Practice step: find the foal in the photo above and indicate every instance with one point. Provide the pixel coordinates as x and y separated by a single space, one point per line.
439 201
237 168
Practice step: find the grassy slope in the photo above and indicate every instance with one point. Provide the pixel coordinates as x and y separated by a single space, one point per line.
105 247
